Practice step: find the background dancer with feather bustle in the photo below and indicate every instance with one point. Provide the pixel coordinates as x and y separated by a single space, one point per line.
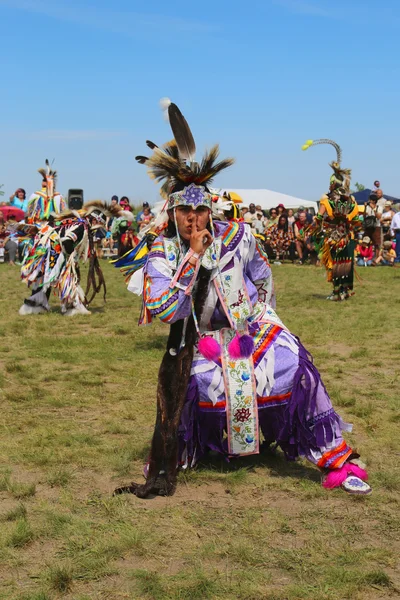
52 260
231 367
46 202
337 220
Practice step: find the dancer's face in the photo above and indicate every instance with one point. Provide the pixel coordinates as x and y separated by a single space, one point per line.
186 216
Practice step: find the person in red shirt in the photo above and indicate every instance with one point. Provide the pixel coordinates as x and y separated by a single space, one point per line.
365 253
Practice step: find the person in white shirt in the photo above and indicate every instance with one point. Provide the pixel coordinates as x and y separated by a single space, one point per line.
381 200
395 231
251 214
387 216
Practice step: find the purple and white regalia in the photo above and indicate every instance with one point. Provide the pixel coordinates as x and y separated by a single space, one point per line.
232 375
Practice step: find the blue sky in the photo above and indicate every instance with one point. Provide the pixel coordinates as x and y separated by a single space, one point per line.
81 81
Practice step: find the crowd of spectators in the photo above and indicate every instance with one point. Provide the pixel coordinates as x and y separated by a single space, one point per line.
284 232
379 243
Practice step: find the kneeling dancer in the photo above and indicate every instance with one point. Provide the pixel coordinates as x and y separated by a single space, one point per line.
231 368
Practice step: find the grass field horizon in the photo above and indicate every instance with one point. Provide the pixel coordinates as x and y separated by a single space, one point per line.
78 408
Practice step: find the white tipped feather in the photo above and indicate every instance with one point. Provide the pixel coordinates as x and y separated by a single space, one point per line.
125 214
164 104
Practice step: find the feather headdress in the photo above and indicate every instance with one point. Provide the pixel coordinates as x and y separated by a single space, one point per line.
50 176
340 180
173 164
48 172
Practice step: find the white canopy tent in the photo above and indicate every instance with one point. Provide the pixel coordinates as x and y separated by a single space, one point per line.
268 199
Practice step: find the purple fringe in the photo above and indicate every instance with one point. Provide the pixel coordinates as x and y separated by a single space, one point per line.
301 433
290 425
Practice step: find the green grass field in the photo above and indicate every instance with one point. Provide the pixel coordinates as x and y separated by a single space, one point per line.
78 405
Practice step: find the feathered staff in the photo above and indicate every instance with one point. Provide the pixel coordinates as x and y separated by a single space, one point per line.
342 176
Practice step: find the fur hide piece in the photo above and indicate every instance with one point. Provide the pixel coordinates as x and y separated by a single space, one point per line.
173 381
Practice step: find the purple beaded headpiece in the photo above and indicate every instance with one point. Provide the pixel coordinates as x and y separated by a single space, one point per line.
193 195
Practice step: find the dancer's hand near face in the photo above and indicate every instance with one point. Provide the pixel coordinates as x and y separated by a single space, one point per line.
201 239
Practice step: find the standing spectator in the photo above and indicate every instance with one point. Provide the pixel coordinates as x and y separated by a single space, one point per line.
280 237
372 223
365 253
380 199
395 231
386 218
19 200
377 185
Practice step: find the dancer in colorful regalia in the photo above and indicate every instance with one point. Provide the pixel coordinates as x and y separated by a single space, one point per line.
336 221
45 202
51 262
231 368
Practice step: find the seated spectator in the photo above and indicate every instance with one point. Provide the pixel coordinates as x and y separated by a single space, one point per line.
302 241
8 241
128 241
243 211
258 223
108 240
309 217
280 237
372 223
120 225
281 210
144 217
387 255
124 203
291 218
365 253
98 238
273 218
19 199
3 236
251 214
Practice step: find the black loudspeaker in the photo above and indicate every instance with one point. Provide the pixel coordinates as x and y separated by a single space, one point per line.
75 199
